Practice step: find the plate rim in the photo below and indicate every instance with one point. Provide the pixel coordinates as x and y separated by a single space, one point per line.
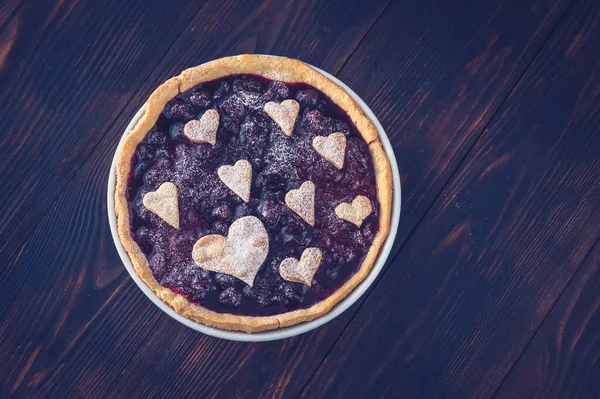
284 332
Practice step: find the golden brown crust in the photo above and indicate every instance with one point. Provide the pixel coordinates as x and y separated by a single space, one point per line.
283 69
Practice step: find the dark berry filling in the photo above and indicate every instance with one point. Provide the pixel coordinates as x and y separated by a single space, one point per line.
279 164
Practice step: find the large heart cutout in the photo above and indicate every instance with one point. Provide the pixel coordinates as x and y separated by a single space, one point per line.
332 148
240 254
238 178
355 212
205 129
302 201
283 114
304 270
164 203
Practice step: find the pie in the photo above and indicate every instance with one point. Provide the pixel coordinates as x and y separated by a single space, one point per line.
253 193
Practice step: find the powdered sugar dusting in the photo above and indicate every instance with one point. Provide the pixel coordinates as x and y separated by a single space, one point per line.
241 254
280 163
302 201
332 148
240 103
283 114
164 204
355 212
205 129
301 271
238 178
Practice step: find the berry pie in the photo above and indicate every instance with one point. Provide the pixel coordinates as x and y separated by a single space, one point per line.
252 194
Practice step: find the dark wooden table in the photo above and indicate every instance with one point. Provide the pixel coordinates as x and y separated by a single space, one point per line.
493 285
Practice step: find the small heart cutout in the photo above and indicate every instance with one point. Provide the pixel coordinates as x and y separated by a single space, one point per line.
332 148
304 270
203 130
302 201
283 114
238 178
164 203
355 212
240 254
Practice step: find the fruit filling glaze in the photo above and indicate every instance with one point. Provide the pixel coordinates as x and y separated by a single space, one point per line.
280 163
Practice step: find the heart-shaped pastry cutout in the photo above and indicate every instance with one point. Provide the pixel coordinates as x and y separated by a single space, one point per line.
203 130
332 148
164 203
301 271
238 178
302 201
240 254
283 114
355 212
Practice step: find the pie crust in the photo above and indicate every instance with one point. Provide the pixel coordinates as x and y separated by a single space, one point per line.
282 69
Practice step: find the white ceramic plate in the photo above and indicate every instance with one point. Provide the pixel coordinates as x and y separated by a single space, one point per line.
281 332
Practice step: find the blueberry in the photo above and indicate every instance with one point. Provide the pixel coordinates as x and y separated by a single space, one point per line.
139 171
290 292
144 152
233 107
359 239
277 91
258 163
261 180
314 118
305 238
367 230
199 99
199 285
255 129
248 84
142 234
157 175
230 126
346 254
222 91
341 127
224 280
332 272
158 265
269 210
176 131
230 297
248 292
222 212
295 224
307 98
178 111
181 246
156 137
220 228
242 210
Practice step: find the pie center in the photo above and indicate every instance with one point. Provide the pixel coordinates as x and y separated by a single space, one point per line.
209 203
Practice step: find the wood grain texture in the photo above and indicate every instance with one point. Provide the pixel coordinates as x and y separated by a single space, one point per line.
562 359
89 305
82 326
280 369
491 257
68 60
8 9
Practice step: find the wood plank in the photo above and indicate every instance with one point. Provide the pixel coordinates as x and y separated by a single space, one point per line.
476 279
477 54
562 359
68 61
58 48
66 277
8 9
